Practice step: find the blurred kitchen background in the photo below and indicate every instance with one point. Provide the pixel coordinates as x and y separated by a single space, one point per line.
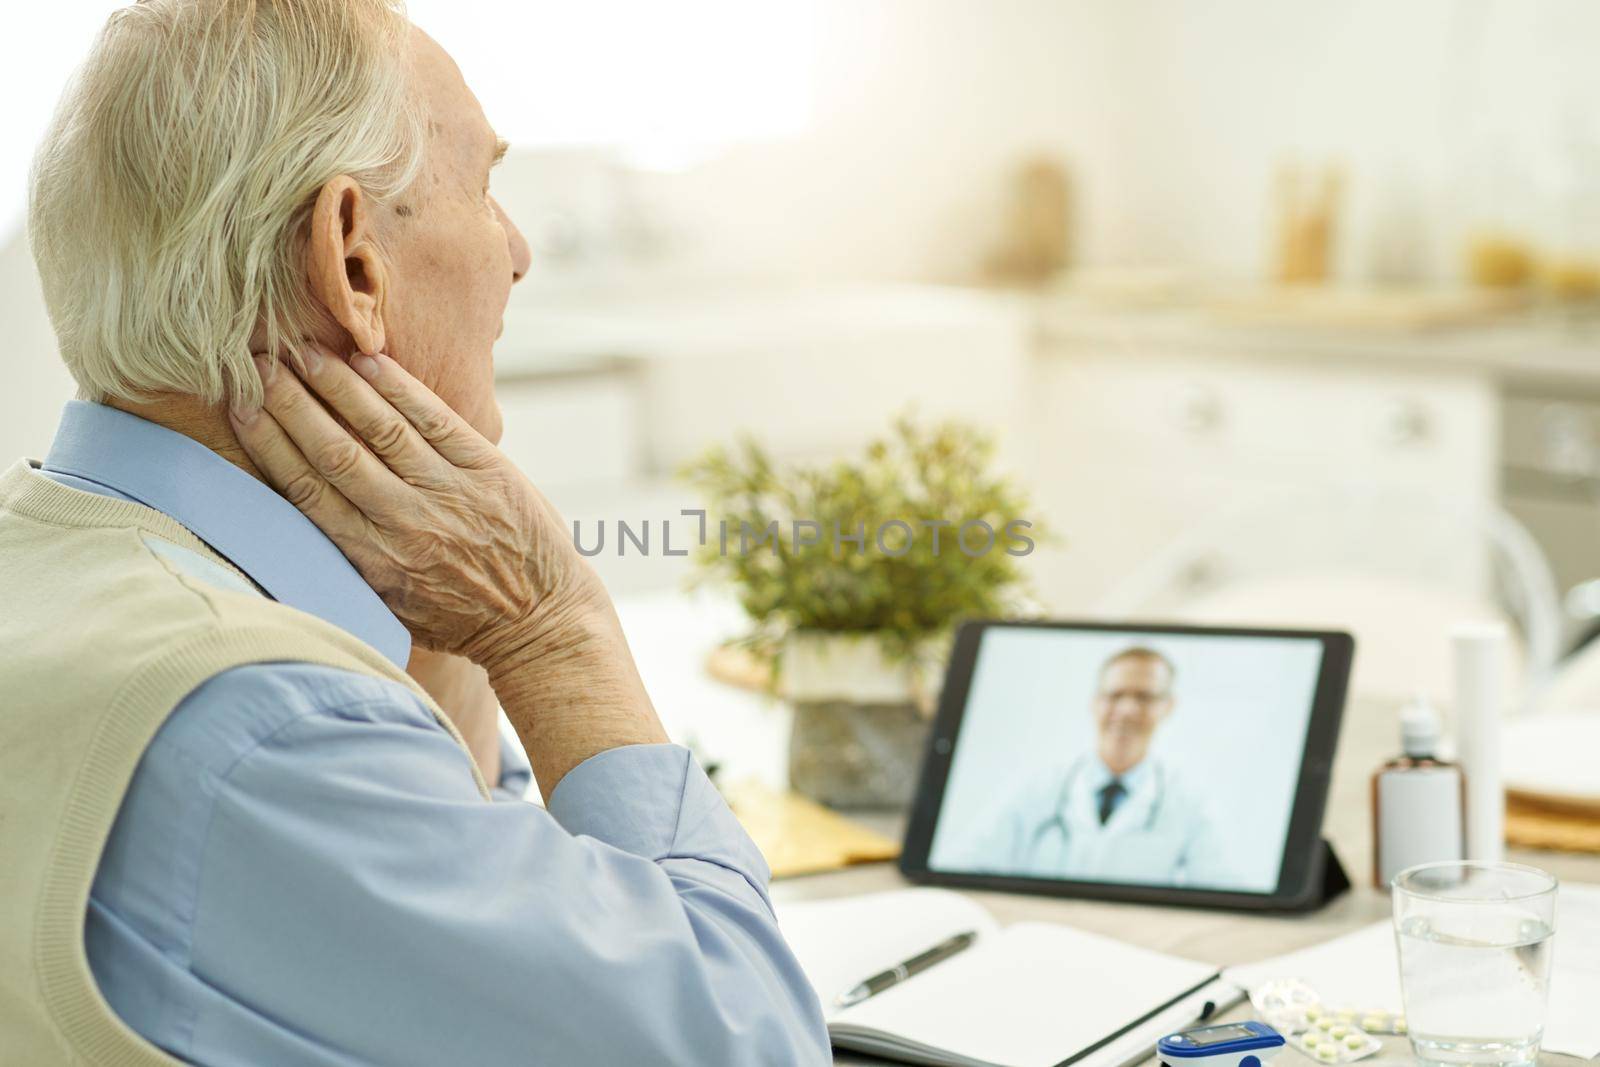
1283 310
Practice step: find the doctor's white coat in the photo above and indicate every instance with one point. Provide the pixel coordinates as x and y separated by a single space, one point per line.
1162 832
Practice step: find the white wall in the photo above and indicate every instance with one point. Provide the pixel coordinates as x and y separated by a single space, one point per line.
921 110
33 383
1442 111
1173 115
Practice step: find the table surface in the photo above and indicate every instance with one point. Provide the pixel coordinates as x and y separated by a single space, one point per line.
747 734
1218 937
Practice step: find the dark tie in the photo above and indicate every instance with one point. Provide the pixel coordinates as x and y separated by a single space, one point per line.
1110 796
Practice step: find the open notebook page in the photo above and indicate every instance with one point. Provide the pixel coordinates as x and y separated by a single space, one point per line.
1035 993
840 942
1029 996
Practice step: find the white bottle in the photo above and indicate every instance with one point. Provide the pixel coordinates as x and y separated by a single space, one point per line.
1417 801
1479 656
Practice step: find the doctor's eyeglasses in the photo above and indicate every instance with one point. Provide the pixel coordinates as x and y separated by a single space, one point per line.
1143 697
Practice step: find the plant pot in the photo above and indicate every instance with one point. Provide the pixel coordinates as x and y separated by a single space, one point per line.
860 721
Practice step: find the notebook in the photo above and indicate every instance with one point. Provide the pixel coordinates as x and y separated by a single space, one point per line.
1026 995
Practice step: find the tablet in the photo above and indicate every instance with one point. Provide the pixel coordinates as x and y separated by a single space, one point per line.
1170 764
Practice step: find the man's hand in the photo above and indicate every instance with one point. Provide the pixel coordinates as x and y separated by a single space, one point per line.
455 539
460 545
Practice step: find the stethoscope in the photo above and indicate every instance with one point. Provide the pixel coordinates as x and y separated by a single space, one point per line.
1059 822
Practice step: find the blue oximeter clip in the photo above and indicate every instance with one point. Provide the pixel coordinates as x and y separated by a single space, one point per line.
1244 1044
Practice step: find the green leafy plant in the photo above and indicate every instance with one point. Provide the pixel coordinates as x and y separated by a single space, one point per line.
905 584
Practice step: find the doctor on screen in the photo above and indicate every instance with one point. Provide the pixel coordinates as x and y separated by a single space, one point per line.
1117 813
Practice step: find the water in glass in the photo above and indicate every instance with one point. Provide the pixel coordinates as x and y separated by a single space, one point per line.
1476 982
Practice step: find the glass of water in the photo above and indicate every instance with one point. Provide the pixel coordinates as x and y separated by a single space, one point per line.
1475 952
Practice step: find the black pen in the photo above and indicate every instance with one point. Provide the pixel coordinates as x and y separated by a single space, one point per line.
915 965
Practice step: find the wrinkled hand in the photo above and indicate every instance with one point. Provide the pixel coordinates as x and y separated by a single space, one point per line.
454 538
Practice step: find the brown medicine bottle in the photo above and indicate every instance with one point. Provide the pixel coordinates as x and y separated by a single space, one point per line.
1418 801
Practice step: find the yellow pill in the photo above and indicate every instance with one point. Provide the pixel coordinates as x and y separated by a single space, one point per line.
1374 1022
1312 1039
1338 1032
1313 1013
1327 1053
1354 1041
1347 1014
1399 1024
1326 1023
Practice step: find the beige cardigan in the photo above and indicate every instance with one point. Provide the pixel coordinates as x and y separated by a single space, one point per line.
99 640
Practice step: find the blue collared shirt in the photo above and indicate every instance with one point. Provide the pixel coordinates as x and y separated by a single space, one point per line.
303 872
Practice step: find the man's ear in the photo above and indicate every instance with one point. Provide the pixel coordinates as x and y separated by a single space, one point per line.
346 270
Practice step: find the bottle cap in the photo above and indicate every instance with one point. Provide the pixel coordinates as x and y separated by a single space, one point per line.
1419 730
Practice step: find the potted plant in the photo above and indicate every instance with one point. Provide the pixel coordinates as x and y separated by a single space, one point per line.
853 574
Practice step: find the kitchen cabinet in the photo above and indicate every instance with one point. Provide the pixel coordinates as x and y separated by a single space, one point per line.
1550 480
1293 462
605 401
573 426
1253 450
808 373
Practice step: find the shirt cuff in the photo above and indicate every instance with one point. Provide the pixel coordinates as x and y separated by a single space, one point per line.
655 801
516 773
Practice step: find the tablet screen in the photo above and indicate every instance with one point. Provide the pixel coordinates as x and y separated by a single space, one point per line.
1154 759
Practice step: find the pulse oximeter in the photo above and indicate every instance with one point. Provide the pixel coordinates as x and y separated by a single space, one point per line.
1248 1044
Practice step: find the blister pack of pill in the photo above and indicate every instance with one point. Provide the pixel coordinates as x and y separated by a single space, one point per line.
1372 1020
1291 1006
1331 1041
1286 1005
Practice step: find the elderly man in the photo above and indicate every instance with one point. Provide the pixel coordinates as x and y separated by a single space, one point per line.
234 828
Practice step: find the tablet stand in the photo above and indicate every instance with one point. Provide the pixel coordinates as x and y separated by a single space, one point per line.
1332 877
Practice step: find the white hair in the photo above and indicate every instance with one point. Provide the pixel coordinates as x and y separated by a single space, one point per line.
170 199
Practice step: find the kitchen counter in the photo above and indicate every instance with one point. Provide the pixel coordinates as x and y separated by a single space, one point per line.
1513 351
601 330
